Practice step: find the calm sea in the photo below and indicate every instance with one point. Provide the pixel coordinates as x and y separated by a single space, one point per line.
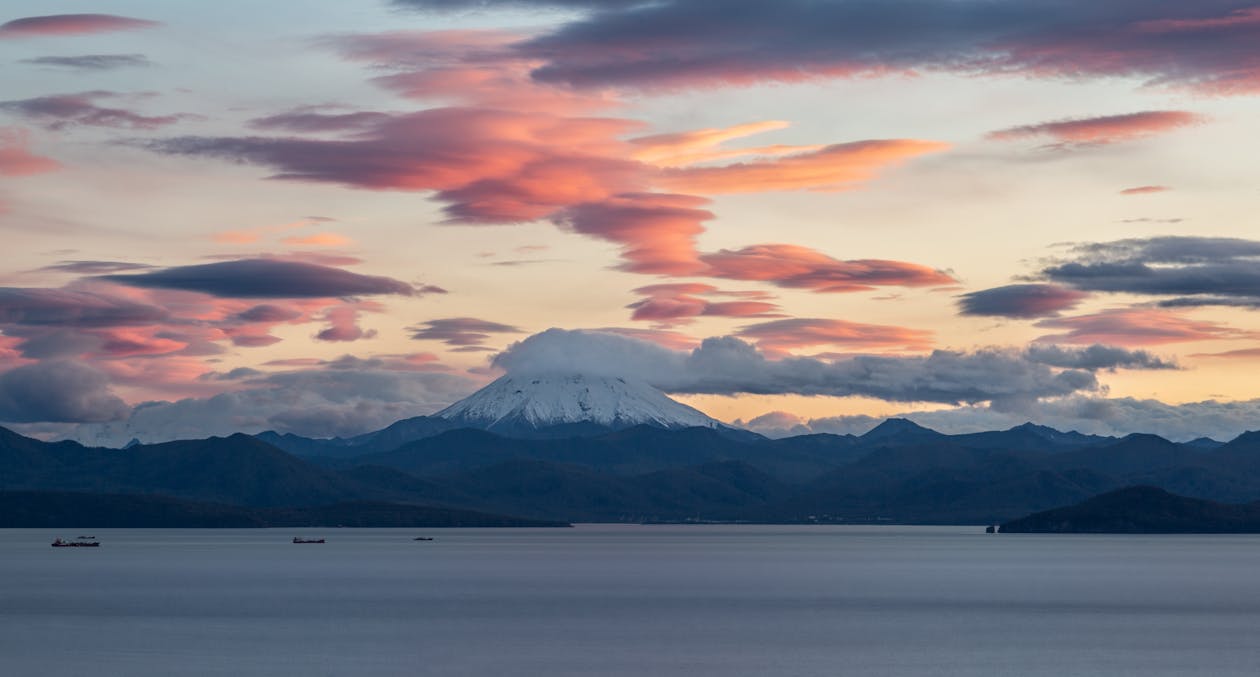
629 600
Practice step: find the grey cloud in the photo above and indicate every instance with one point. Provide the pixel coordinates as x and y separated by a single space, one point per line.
314 121
320 402
463 5
94 267
1020 301
58 392
42 344
268 312
729 366
92 62
1082 413
468 332
670 43
1196 270
1203 301
1096 357
68 307
264 278
64 110
237 374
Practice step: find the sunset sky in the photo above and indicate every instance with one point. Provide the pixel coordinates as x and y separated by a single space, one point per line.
322 217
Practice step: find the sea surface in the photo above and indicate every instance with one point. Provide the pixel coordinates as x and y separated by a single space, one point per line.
629 600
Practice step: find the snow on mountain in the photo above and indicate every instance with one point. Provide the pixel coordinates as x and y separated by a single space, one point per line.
525 402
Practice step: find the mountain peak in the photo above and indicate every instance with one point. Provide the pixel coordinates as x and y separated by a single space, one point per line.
1029 426
534 402
895 427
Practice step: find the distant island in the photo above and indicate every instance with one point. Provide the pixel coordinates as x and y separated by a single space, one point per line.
1141 510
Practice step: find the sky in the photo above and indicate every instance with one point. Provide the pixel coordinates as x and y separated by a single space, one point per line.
799 216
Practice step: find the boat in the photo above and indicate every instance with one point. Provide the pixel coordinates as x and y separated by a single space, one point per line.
299 539
422 538
82 542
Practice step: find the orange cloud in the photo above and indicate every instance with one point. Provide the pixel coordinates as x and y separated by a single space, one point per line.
236 237
319 240
685 148
491 162
836 167
257 233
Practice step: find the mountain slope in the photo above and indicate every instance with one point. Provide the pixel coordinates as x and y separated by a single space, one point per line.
1141 510
516 405
238 470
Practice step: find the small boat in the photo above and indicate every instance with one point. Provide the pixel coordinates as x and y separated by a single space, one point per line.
299 539
422 538
82 542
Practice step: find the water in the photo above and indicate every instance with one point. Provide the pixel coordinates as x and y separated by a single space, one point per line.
629 600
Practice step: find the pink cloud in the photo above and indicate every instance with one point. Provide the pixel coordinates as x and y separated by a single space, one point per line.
490 166
251 337
783 335
490 162
1137 326
668 304
1145 190
1102 130
343 325
657 231
15 157
803 268
71 24
120 343
464 67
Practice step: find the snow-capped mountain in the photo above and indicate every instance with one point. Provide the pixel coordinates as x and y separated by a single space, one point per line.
516 404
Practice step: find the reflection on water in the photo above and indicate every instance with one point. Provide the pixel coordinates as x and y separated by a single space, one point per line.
629 600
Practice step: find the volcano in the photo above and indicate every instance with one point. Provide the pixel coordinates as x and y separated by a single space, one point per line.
516 405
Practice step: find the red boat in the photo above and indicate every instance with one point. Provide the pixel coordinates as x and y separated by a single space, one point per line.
83 543
299 539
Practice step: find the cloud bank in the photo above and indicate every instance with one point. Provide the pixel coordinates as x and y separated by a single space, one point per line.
730 366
